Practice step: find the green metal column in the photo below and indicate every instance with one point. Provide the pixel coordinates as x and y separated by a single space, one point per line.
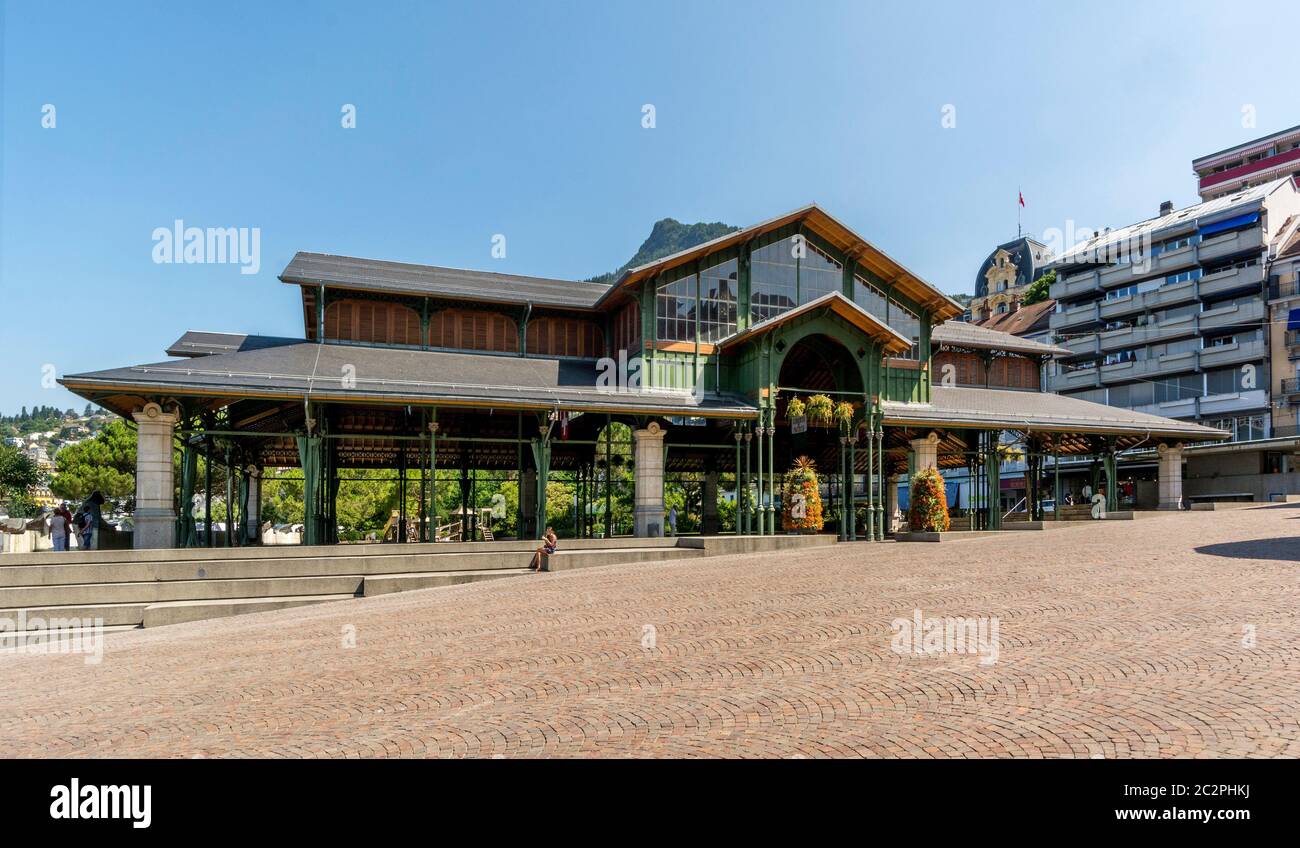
843 534
609 475
995 481
871 472
749 501
1112 485
758 468
739 507
771 470
433 475
878 508
853 469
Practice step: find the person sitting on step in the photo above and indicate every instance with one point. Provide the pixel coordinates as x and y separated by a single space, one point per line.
549 543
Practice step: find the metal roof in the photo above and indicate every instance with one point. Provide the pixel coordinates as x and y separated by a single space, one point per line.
204 343
343 372
892 340
820 222
1038 411
964 334
346 272
1187 219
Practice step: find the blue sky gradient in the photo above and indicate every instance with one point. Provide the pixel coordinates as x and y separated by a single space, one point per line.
525 120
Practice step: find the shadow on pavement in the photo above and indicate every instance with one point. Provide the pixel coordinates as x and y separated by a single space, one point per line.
1286 548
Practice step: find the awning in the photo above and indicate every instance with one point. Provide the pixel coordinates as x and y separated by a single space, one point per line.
1230 223
1293 319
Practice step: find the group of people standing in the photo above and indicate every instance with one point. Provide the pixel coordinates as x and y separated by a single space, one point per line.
85 524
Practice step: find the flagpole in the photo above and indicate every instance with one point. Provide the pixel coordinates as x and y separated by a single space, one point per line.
1020 207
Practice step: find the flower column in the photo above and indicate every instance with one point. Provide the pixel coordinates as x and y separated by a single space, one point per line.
649 510
155 512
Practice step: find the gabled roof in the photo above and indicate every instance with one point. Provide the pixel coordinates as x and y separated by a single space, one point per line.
204 343
964 334
298 369
375 275
1039 412
841 237
873 327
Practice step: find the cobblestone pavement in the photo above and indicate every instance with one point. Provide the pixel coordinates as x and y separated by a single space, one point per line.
1167 636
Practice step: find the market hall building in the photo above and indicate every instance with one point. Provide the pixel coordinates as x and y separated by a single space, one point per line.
407 366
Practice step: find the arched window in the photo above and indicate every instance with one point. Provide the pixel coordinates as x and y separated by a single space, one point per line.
372 321
553 336
465 329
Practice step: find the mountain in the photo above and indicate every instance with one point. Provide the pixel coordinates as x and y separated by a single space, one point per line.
667 237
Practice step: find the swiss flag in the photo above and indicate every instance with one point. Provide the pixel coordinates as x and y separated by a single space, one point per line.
1022 198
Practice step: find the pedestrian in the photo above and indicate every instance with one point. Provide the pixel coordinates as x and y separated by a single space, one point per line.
93 517
549 543
672 520
60 527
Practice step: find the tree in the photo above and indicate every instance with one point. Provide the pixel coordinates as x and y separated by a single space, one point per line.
928 508
105 464
18 473
1039 290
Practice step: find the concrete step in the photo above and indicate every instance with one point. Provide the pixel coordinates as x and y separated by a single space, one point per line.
177 612
87 594
113 615
386 584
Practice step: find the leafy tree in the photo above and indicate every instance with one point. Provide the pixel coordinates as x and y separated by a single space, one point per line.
1039 290
105 463
18 473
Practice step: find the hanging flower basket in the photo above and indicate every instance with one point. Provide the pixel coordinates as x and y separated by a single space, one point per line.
843 415
796 412
820 408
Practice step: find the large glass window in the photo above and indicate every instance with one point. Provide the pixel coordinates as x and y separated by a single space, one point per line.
818 275
675 310
869 298
718 301
904 321
774 279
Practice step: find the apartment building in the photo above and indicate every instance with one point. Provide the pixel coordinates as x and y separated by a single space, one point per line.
1169 315
1284 336
1248 165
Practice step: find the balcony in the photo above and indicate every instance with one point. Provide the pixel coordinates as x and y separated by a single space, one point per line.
1291 386
1075 285
1231 354
1228 244
1231 280
1170 409
1233 315
1234 402
1146 369
1157 299
1080 344
1066 381
1148 334
1077 316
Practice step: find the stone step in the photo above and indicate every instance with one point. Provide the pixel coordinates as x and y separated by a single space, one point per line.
386 584
313 552
113 615
94 594
178 612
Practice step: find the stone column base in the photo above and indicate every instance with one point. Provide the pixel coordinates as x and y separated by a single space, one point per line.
649 522
154 528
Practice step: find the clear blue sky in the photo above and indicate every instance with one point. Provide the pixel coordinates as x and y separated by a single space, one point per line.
525 119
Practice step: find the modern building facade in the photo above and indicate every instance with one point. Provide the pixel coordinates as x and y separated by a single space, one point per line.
1248 165
1170 316
420 367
